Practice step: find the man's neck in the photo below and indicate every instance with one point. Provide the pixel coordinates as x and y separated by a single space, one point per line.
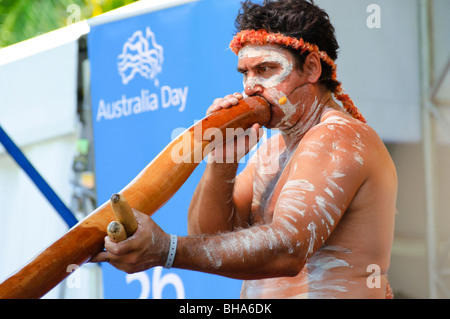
315 107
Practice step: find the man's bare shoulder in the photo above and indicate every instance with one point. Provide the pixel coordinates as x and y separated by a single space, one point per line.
345 146
336 123
338 132
340 143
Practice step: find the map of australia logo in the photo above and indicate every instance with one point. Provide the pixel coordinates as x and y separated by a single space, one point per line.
142 55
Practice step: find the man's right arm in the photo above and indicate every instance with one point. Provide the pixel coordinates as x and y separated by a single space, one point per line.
222 200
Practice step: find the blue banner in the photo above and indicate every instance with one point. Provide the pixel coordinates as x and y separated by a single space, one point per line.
152 76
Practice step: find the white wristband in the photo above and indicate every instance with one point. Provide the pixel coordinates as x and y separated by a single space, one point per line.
172 251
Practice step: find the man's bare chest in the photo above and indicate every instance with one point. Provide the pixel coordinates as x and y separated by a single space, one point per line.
268 183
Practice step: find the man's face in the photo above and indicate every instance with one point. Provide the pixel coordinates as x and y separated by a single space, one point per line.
269 71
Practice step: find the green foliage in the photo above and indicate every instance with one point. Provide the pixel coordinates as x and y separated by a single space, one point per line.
24 19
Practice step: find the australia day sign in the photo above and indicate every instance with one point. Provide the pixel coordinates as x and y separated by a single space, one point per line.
142 55
152 75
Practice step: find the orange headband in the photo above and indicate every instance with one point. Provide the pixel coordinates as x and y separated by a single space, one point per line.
263 37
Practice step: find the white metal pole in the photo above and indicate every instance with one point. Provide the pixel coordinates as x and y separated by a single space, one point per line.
428 147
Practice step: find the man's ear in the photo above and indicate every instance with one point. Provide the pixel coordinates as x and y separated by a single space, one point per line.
313 67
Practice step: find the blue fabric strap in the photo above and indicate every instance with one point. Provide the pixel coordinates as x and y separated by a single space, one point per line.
46 190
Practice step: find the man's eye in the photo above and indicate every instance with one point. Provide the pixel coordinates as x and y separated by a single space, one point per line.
265 70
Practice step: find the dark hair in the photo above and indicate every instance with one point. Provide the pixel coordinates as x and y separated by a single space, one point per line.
294 18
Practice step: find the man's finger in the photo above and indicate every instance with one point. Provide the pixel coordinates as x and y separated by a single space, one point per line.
255 135
100 257
238 95
213 108
119 248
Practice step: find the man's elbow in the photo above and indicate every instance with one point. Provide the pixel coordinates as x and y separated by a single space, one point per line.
288 265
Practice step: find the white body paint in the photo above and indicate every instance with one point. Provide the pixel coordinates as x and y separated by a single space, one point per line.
315 278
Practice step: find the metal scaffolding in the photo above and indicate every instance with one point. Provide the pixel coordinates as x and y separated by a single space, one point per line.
432 115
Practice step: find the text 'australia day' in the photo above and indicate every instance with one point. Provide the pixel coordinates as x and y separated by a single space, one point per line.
145 102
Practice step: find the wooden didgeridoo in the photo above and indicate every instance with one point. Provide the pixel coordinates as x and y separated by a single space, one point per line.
150 190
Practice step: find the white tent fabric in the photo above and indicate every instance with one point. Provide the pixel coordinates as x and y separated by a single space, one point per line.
38 111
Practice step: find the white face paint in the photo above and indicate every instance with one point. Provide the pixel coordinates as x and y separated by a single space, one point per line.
268 55
270 82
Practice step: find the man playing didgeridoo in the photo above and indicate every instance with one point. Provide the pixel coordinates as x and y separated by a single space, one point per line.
312 215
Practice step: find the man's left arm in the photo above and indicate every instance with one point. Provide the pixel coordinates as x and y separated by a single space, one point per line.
326 172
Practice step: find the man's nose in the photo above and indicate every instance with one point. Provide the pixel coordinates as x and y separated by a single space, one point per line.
253 89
